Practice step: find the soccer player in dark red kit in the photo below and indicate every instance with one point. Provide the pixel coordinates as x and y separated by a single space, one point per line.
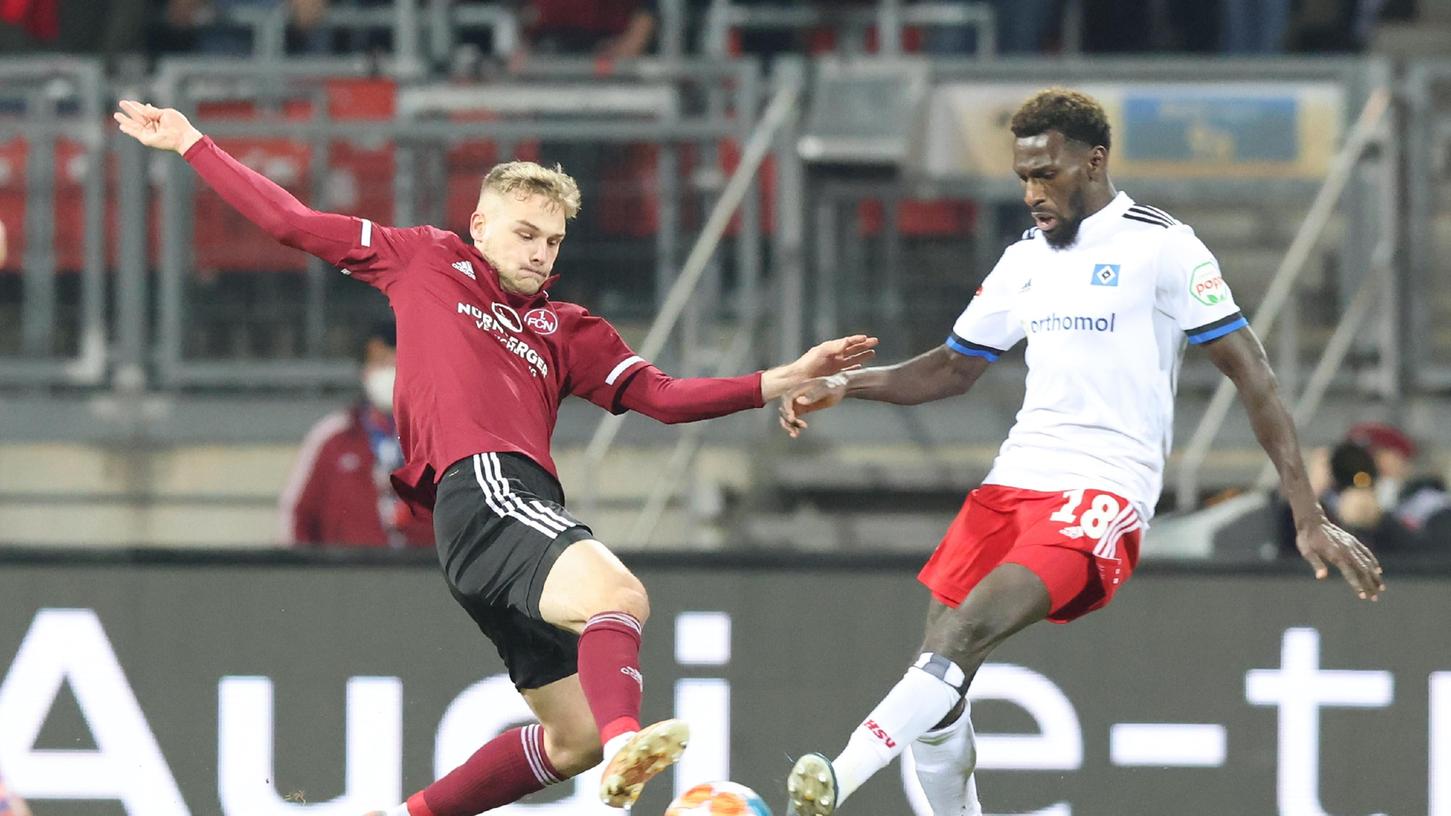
484 359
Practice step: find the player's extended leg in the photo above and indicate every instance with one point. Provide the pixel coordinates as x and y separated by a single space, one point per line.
590 592
957 641
518 762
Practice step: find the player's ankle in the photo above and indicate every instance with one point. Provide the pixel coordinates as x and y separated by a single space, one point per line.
616 728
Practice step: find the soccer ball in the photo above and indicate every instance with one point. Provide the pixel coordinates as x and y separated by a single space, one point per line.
718 799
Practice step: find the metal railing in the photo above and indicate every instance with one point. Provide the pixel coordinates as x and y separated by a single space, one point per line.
420 35
888 18
1428 158
777 119
425 36
1369 133
59 100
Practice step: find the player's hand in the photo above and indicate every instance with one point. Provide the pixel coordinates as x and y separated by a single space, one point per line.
161 128
1324 543
812 395
821 360
825 359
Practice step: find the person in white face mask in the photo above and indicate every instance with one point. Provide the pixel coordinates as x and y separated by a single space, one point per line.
339 492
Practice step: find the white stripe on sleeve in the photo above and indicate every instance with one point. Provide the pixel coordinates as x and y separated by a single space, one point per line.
367 239
622 367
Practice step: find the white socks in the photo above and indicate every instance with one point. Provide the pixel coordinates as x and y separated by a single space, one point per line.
945 762
924 695
614 745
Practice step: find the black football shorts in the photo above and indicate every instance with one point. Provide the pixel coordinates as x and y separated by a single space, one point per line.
500 524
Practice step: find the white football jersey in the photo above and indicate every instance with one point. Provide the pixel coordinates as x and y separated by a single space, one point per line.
1106 321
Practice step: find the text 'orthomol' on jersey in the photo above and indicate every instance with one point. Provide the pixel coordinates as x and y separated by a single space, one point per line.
1106 321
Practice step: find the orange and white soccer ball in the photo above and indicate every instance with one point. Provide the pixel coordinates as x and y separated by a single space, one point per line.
718 799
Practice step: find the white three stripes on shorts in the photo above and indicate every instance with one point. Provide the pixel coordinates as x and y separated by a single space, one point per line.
1124 523
507 504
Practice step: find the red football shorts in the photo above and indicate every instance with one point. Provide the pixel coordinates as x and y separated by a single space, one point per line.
1084 544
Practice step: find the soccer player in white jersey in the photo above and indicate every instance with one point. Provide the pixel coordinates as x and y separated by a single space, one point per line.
1105 291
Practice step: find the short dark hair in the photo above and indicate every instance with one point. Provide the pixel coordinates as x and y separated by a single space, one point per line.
1077 116
1352 466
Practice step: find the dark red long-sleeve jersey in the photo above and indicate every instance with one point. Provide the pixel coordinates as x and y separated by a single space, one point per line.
479 369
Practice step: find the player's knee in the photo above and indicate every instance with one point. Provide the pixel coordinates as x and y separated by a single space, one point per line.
629 597
963 638
574 752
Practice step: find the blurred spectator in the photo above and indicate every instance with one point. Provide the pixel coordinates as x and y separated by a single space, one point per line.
1020 26
105 28
769 42
1122 26
39 19
1254 26
1323 26
609 29
207 26
1425 509
1351 501
339 492
10 803
1394 455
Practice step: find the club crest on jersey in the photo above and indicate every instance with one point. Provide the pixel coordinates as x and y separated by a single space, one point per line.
466 268
1105 275
1207 285
506 315
541 320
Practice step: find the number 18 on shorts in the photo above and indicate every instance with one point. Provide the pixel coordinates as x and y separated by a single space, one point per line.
1082 543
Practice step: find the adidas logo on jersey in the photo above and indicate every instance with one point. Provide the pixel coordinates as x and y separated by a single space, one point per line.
466 268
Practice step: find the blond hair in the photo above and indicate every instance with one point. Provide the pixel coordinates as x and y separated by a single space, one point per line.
525 178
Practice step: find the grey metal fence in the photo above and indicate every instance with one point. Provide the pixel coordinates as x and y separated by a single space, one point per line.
53 170
1427 112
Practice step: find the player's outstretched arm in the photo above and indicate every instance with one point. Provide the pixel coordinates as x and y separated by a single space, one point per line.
1241 357
257 198
821 360
649 391
934 375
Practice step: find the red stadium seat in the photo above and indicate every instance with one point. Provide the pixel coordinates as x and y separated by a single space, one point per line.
69 216
467 164
730 159
931 218
360 176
